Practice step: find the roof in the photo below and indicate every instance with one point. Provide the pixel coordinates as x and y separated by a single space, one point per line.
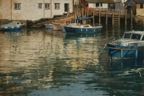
103 1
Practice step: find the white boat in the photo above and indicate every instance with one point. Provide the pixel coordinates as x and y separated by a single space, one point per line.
12 26
131 45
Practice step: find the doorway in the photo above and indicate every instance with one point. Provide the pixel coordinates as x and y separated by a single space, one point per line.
66 7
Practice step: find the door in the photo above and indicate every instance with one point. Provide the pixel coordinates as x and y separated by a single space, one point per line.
66 7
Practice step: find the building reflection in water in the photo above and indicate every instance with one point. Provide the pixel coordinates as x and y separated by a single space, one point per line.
39 63
23 56
35 59
83 51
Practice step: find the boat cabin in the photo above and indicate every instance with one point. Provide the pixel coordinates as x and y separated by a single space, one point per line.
134 35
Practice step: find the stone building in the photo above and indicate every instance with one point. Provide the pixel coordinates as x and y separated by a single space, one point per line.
34 9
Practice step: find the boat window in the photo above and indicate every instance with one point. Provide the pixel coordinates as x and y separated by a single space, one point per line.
127 35
143 38
136 36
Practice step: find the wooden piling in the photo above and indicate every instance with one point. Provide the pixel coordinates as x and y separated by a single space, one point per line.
125 20
106 18
93 18
99 17
119 17
112 19
114 15
131 17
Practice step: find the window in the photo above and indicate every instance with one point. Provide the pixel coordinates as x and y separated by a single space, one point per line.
98 4
17 6
127 35
47 6
40 5
143 38
136 36
66 7
57 6
141 5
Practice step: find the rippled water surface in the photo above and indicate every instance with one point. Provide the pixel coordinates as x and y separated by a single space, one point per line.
41 63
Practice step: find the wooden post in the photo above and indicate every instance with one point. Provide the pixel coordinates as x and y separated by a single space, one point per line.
93 18
112 18
125 19
131 20
106 18
99 17
119 17
106 24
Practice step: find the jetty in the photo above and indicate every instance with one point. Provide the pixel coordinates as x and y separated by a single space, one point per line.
110 16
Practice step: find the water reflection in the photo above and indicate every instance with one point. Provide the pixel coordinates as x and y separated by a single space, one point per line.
41 63
23 57
83 50
122 79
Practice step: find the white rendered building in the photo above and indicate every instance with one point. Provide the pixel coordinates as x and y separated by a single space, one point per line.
34 9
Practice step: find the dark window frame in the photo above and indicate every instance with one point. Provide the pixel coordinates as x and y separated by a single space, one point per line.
17 6
47 6
57 6
141 6
40 5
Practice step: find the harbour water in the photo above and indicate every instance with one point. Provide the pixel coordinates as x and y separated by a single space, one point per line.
41 63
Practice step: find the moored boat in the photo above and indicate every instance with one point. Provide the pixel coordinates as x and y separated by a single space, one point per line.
12 26
131 45
81 28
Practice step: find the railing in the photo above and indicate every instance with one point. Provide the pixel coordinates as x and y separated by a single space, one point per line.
107 11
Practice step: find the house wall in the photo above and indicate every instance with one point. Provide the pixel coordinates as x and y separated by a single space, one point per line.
0 9
61 11
93 5
5 12
119 4
139 11
30 11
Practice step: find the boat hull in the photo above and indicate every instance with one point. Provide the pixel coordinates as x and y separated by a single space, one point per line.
11 29
125 52
74 30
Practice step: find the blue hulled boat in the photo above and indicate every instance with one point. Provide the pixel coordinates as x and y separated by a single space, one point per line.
12 26
81 28
131 45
